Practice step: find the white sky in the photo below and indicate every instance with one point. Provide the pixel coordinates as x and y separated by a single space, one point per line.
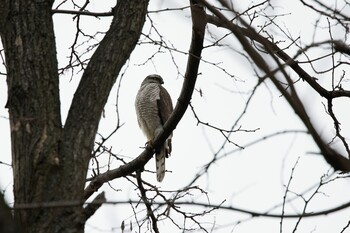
251 179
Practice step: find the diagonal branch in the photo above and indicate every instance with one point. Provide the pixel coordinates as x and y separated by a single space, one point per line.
94 88
198 31
92 207
286 58
148 205
336 160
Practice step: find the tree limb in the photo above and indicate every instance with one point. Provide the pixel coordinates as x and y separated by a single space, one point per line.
95 86
148 205
336 160
86 13
60 204
92 207
286 58
198 31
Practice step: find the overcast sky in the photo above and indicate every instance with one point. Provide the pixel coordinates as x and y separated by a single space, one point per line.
253 178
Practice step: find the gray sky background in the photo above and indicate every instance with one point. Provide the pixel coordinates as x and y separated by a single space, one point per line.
253 178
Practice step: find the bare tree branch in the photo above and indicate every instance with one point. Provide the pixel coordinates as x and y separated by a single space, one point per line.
94 88
87 13
93 206
336 160
62 204
147 203
198 30
248 32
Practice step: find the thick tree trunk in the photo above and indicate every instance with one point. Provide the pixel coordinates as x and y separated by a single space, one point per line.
7 224
50 162
34 106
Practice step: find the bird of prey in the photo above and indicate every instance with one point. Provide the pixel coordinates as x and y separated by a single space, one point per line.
153 108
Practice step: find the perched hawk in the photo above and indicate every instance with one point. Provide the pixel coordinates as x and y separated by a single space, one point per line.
153 108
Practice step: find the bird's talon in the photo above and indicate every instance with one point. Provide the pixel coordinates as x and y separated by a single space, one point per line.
150 143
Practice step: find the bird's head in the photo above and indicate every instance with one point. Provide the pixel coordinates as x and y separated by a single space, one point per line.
153 78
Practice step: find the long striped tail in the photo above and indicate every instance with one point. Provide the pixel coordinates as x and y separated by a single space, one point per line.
160 164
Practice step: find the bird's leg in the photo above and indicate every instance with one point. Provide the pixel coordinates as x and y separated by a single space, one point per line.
149 144
159 130
168 147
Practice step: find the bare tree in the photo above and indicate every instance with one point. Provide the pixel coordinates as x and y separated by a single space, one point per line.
51 161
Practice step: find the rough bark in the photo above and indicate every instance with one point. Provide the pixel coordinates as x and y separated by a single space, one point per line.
50 162
7 224
33 103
